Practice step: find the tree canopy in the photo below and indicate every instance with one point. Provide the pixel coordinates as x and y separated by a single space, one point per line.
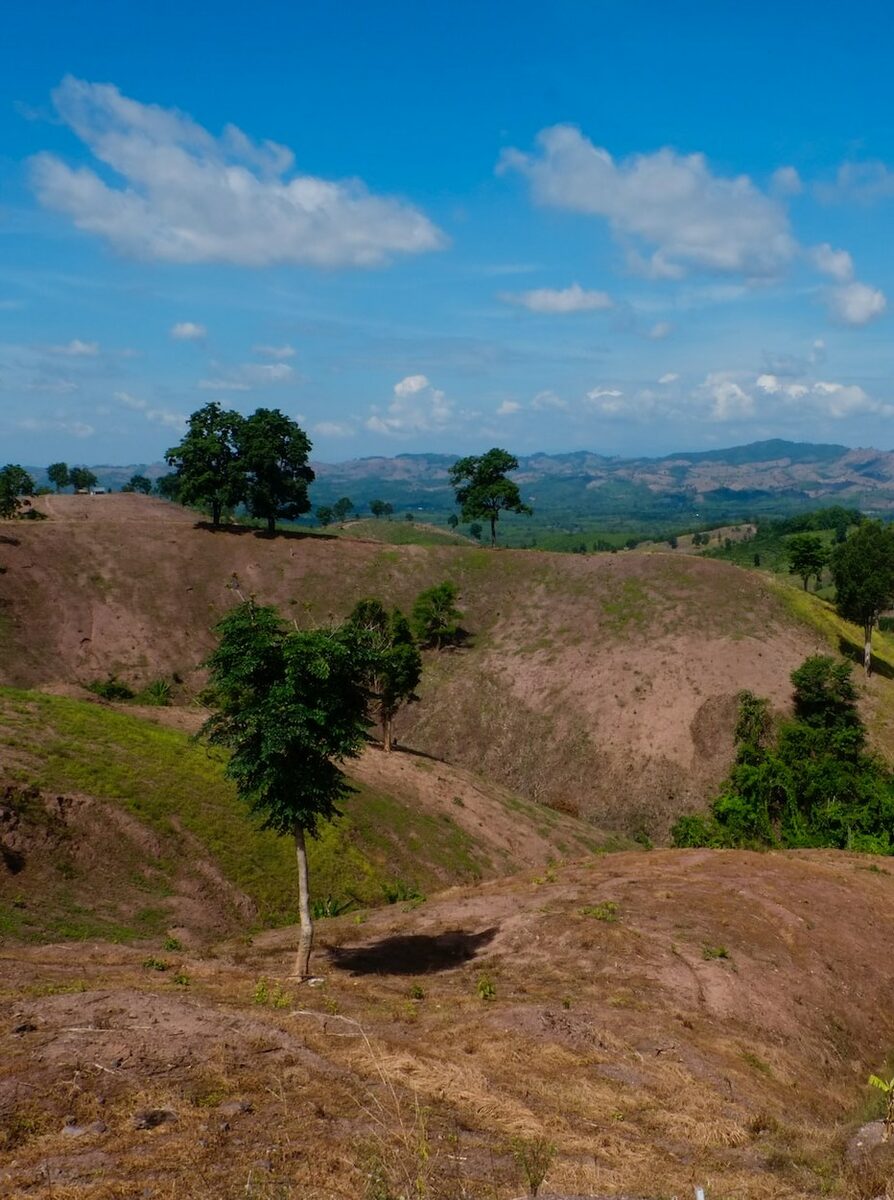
58 475
436 618
15 482
273 453
863 573
483 490
393 663
290 706
82 479
138 483
807 556
207 464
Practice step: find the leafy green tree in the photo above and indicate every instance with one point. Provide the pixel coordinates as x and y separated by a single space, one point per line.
435 617
483 490
475 531
15 482
138 483
273 451
324 515
387 509
342 508
672 542
807 556
82 479
58 475
168 486
377 508
289 705
863 574
408 516
453 520
207 465
394 665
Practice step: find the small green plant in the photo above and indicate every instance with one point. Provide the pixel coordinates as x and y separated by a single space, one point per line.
887 1090
417 992
181 979
605 910
329 906
399 891
710 953
533 1157
261 994
172 944
158 692
155 964
110 689
566 1002
274 997
486 988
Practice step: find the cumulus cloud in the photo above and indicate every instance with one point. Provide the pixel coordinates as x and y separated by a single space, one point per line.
562 300
838 264
277 352
508 407
727 400
417 407
858 183
77 349
183 195
247 376
608 401
785 181
660 330
337 429
669 377
548 399
158 416
78 429
188 331
857 303
672 205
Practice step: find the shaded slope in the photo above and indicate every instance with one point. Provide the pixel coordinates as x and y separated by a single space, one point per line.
136 830
604 684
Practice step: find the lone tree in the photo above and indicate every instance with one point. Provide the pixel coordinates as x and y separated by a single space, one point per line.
82 479
138 483
290 706
58 475
807 556
453 520
206 462
482 489
273 450
435 616
342 508
324 515
15 482
394 665
863 574
377 508
168 486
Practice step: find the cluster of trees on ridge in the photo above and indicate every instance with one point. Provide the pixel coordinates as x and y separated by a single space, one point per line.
292 705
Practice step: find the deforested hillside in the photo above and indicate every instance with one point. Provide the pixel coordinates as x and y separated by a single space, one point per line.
604 684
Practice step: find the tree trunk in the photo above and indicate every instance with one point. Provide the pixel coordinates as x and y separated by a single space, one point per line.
806 580
386 731
271 525
215 513
493 531
306 939
867 647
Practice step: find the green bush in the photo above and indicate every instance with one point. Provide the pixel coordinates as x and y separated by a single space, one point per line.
110 689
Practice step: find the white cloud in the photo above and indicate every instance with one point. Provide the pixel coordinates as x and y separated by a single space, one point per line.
417 407
548 399
608 401
688 217
563 300
660 330
78 429
336 429
188 331
58 387
77 349
770 385
669 377
132 402
727 400
841 400
858 183
508 407
158 416
730 397
857 303
785 181
838 264
247 376
186 196
278 352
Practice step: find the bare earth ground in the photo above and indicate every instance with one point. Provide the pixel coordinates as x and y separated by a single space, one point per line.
601 684
718 1031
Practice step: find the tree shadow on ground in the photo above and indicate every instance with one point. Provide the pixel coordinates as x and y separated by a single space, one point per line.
6 540
412 954
854 653
245 530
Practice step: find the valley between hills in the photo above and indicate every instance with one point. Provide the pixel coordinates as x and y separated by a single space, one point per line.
511 958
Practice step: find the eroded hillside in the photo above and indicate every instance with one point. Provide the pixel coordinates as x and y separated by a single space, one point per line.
602 684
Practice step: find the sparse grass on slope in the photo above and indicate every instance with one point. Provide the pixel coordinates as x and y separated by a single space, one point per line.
400 532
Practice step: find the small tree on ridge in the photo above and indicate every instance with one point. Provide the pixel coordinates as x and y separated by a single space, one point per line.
483 490
863 574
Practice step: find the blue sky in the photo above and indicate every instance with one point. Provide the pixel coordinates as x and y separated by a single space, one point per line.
626 227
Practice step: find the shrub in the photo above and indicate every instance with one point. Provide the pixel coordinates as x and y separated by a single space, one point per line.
605 910
534 1157
486 988
110 689
158 692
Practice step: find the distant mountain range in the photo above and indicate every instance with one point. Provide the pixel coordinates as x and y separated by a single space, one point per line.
762 477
